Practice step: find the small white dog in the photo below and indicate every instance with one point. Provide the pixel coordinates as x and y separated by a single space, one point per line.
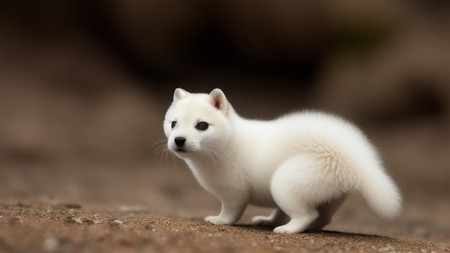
303 164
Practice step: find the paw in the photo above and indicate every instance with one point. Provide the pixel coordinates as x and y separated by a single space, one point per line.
288 229
262 221
284 230
219 220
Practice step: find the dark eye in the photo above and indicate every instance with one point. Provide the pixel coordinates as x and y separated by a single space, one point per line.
202 126
173 124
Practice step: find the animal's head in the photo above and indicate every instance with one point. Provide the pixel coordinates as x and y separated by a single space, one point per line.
197 124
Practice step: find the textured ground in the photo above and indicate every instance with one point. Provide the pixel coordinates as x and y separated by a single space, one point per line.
109 209
69 228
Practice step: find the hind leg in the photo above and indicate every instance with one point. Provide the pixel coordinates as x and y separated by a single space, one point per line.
326 212
297 186
300 220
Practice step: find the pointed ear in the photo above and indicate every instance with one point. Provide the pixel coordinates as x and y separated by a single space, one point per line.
219 101
179 94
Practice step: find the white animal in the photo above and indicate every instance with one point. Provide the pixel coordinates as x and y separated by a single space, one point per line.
303 164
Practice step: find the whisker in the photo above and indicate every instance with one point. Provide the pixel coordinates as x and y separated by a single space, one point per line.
162 152
159 142
208 156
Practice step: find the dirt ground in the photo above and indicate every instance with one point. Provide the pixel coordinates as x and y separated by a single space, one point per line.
160 209
70 228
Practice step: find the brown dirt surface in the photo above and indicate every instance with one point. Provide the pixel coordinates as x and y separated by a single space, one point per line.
71 228
162 210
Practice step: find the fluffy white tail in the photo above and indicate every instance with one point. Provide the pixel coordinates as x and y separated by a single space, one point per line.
380 192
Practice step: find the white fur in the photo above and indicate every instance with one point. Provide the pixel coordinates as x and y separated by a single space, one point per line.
302 164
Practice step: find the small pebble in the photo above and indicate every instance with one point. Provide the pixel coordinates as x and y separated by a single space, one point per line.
89 221
116 222
72 219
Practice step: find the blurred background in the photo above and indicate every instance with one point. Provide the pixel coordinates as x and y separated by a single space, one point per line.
84 86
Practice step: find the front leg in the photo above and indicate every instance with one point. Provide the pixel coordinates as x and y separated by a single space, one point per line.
231 212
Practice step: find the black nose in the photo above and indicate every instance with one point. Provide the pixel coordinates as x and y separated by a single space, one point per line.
180 141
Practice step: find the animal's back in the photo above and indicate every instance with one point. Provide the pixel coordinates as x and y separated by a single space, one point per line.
304 132
263 146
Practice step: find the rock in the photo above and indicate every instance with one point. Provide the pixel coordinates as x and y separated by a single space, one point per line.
78 220
72 219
